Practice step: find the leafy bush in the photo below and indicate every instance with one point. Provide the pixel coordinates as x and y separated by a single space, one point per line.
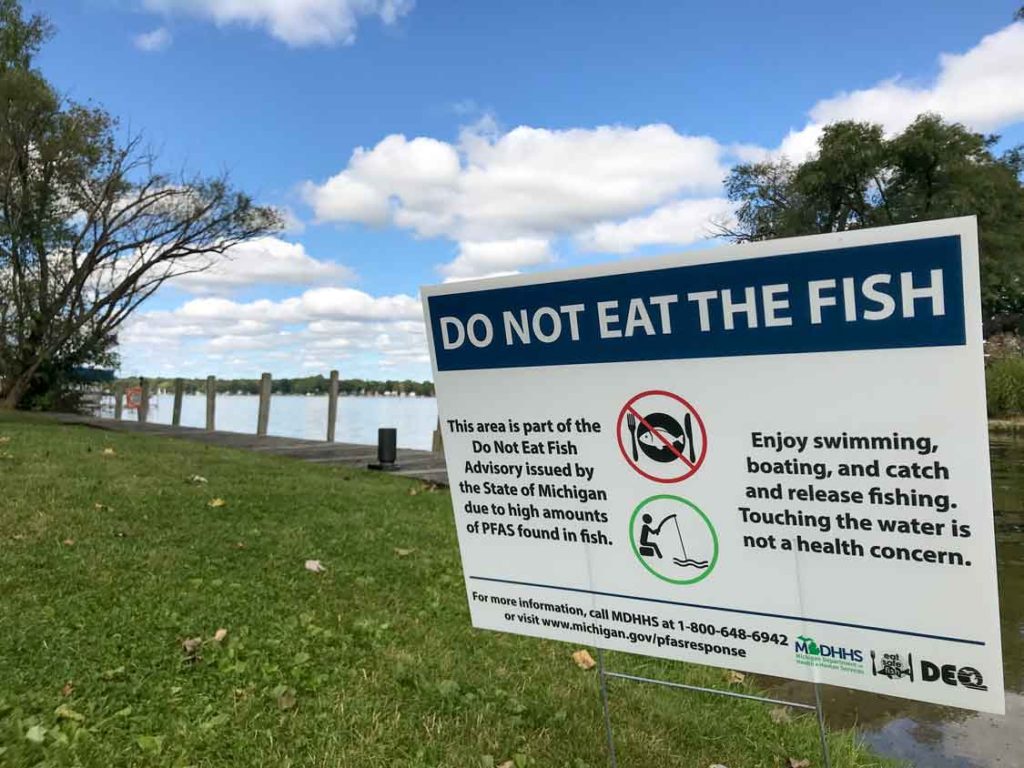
1004 380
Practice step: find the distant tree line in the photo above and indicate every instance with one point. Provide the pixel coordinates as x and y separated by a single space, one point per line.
306 385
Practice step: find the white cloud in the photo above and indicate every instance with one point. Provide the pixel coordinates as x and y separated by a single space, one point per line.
982 88
678 223
296 22
158 40
421 175
533 180
350 304
492 257
293 225
314 304
800 144
528 182
504 196
328 324
264 261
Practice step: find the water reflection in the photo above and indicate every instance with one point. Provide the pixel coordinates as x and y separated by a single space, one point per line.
957 742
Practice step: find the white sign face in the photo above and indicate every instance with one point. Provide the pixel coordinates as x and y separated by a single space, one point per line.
770 457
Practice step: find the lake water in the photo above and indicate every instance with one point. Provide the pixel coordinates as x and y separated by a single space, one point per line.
359 418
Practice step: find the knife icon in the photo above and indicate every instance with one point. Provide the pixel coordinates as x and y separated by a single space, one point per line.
688 429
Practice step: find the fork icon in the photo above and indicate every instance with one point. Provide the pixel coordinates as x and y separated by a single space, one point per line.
631 425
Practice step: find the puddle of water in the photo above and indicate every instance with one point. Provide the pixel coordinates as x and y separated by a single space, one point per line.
977 740
943 737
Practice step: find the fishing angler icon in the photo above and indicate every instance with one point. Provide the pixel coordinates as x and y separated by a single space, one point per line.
648 548
686 557
662 436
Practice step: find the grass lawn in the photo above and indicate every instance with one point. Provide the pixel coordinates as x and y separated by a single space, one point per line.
110 559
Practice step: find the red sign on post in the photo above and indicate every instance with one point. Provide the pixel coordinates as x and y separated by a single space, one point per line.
133 398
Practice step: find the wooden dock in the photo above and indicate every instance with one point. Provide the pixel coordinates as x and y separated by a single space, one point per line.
422 465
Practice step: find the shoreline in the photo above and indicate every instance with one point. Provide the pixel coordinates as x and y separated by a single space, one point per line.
1010 426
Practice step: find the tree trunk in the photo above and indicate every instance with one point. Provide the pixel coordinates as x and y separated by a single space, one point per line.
19 385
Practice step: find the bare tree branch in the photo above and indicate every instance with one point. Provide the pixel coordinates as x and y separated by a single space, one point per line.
88 229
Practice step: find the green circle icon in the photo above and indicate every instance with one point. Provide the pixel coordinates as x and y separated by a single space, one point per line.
650 553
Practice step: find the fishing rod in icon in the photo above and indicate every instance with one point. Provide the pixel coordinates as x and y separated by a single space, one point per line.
686 560
649 548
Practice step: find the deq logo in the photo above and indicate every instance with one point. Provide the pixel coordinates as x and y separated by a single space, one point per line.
968 677
810 652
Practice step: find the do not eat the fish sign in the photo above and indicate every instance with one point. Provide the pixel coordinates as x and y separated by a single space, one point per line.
741 457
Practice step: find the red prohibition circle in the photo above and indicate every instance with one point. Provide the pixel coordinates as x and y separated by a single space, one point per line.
700 423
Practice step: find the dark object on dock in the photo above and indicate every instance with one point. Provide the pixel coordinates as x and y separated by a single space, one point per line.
387 450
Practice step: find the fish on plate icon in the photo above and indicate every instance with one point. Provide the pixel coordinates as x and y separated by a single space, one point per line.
662 436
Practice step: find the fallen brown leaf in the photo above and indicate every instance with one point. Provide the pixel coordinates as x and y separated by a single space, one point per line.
315 566
109 452
69 542
403 552
412 492
794 763
779 715
286 698
733 677
4 439
583 659
508 764
219 635
100 507
191 647
68 689
218 502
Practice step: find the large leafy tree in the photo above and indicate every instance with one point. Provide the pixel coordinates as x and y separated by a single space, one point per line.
862 178
88 229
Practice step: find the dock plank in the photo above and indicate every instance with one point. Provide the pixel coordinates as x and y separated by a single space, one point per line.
421 465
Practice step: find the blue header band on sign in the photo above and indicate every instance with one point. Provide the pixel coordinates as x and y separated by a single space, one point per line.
847 315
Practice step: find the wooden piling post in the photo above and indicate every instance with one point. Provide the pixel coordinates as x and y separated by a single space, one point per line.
332 406
211 403
143 400
179 392
263 416
437 444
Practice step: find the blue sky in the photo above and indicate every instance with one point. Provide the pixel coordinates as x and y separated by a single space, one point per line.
495 137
